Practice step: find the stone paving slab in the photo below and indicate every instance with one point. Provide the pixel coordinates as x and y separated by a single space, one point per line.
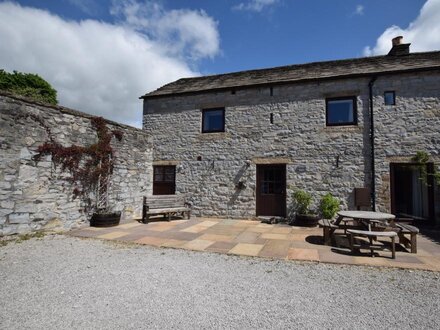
252 238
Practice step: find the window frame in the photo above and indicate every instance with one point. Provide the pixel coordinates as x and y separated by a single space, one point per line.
204 111
394 97
158 185
355 117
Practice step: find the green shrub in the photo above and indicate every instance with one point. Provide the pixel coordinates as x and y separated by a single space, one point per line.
328 206
28 85
302 201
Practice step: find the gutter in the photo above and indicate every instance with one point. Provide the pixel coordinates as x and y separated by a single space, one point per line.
373 169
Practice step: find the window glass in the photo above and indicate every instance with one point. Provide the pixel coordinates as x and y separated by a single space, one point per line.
341 111
389 98
213 120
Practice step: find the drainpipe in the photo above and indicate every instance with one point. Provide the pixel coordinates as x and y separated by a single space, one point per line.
373 169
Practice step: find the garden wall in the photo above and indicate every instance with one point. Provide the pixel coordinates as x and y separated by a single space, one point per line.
35 195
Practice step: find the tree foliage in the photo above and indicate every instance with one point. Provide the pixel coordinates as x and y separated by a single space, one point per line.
28 85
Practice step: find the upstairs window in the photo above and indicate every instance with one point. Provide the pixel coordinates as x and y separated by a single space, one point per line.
213 120
389 98
341 111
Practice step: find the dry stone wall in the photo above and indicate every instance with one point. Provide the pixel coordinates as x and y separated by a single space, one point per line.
319 159
33 195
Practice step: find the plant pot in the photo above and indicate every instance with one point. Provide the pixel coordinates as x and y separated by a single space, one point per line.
306 220
105 219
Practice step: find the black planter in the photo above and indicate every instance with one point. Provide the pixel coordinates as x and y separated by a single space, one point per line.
105 219
306 220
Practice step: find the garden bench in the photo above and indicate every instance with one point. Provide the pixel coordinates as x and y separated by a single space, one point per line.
328 230
371 235
405 230
166 205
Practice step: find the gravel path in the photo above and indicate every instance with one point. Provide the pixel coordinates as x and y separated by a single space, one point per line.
61 282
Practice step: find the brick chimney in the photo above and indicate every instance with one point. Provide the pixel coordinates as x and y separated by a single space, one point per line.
399 48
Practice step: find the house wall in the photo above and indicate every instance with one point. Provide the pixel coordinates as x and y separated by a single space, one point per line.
33 195
298 137
412 125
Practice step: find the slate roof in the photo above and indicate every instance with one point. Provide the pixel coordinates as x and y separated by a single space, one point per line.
302 72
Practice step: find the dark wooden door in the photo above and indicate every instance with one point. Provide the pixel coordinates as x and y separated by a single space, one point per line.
164 181
271 190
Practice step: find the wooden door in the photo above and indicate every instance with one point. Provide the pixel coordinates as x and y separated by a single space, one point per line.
271 190
164 180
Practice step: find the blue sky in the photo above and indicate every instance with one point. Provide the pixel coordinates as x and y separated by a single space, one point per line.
102 55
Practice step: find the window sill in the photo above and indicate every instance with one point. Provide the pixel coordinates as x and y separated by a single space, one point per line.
213 135
343 128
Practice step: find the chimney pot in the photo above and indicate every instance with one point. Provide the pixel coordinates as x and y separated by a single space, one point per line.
397 40
399 48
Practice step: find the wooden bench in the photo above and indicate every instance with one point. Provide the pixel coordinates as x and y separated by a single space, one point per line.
412 231
166 205
352 233
328 230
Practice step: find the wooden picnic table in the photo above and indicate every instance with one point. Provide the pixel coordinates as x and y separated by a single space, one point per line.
366 217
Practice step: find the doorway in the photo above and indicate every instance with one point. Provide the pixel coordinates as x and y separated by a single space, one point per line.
271 190
412 191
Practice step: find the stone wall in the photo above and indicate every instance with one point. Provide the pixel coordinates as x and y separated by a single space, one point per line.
33 195
412 125
319 159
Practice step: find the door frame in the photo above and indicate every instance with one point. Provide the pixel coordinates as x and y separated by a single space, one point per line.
430 182
257 187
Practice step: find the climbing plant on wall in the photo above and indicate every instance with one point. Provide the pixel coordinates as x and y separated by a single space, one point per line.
90 167
421 158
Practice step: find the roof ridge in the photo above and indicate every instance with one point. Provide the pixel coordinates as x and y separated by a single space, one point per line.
189 84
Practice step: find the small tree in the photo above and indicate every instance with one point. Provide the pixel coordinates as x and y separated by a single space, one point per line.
302 201
328 206
28 85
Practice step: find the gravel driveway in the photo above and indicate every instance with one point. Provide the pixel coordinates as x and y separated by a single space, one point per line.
61 282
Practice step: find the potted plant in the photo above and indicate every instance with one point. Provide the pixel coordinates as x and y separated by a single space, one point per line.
304 216
328 206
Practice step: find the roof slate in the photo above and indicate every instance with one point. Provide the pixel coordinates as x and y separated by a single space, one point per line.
302 72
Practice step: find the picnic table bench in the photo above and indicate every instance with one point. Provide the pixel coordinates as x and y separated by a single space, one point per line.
166 205
406 229
371 235
328 228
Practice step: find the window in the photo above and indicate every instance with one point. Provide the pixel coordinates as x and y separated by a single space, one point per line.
164 181
341 111
213 120
389 98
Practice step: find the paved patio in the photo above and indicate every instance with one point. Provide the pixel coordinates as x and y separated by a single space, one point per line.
252 238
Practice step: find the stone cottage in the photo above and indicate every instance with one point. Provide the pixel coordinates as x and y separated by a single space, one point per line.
240 143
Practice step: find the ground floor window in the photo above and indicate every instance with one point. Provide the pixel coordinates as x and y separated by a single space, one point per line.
164 180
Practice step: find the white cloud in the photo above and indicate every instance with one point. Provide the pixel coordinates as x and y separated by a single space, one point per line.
254 5
191 33
86 6
423 33
359 10
97 67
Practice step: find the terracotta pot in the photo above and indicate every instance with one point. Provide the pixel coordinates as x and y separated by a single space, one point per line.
105 219
306 220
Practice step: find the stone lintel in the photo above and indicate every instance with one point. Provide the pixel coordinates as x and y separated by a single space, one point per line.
271 161
166 162
407 159
342 93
